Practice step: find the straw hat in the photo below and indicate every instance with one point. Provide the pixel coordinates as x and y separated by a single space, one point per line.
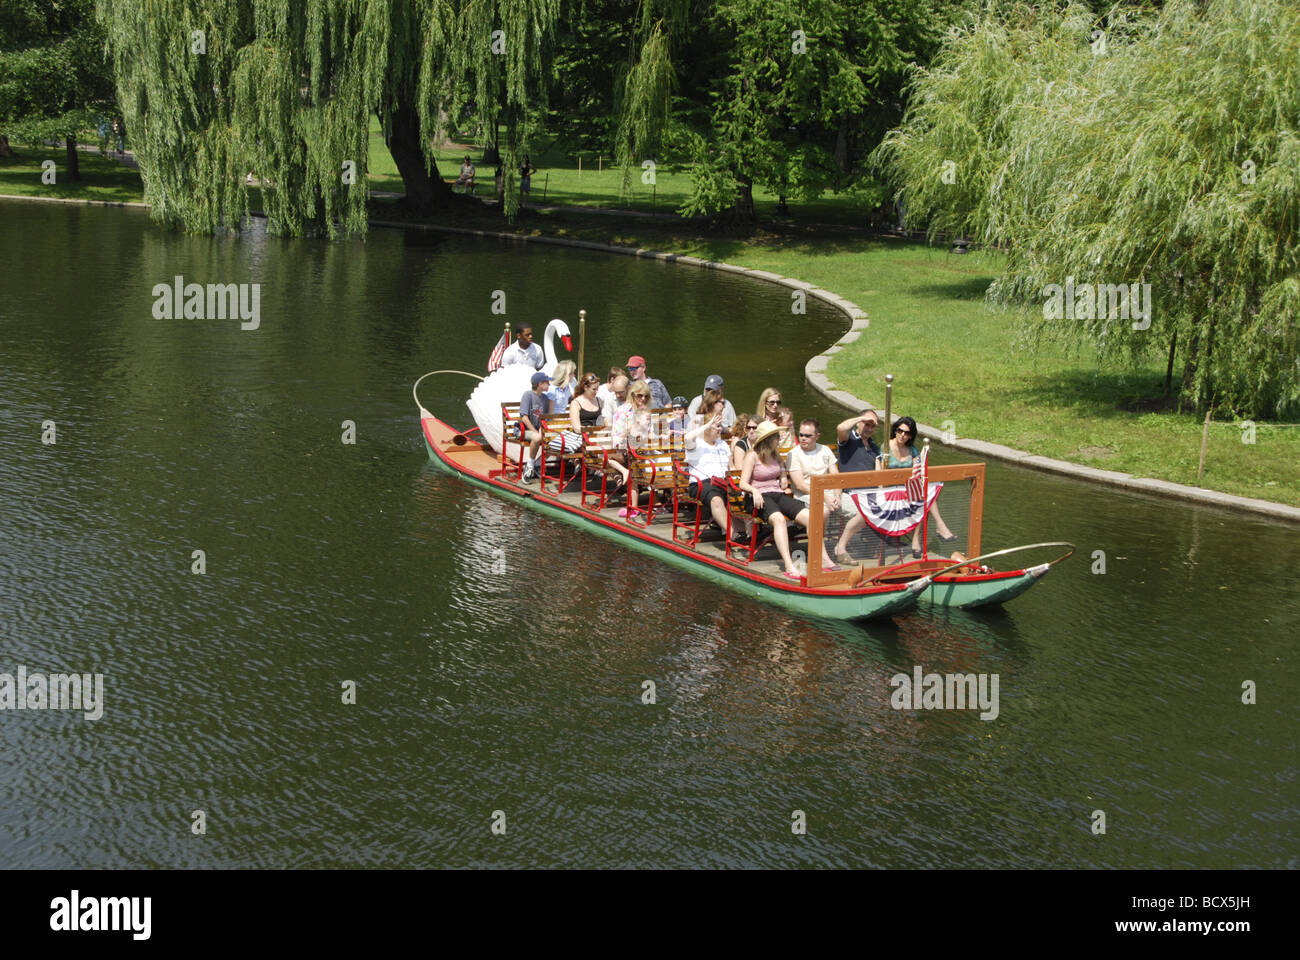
765 430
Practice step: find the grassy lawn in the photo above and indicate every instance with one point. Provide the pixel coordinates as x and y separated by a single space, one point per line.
954 359
599 184
101 178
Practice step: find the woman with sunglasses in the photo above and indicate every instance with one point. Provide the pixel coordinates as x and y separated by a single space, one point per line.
762 477
631 428
769 403
741 439
901 454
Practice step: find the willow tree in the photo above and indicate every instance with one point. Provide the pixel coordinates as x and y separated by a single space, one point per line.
215 89
1163 150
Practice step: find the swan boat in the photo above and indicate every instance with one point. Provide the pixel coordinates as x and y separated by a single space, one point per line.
880 590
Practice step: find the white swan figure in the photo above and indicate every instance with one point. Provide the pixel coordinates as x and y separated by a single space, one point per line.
507 385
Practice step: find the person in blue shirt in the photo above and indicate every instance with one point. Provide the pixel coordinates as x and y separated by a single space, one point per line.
856 450
534 405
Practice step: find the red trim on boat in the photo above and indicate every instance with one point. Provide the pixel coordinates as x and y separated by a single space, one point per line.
785 586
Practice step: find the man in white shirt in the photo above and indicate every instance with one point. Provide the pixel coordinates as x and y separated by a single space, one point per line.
523 350
715 382
708 456
812 459
615 398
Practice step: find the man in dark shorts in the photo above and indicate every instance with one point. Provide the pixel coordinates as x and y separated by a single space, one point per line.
707 457
857 451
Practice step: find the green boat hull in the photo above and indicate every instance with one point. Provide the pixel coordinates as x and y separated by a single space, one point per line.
847 607
981 593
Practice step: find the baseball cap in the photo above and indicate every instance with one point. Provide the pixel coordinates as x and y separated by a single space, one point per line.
713 382
635 362
541 376
679 401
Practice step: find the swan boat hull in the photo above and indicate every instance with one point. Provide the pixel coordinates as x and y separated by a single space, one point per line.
453 453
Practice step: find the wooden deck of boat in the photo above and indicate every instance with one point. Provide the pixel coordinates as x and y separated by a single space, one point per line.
767 561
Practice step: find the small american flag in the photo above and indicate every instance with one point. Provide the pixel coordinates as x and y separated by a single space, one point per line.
916 482
494 361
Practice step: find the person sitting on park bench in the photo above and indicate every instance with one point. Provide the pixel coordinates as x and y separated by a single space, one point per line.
466 178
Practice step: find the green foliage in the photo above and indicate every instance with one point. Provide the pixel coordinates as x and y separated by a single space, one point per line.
285 88
54 81
1171 158
795 94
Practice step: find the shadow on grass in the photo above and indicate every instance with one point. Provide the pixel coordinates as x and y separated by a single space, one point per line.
968 288
1109 394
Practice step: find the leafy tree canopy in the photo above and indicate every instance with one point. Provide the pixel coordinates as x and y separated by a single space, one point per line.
54 80
1159 148
213 89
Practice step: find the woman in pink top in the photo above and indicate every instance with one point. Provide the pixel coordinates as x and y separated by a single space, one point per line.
761 477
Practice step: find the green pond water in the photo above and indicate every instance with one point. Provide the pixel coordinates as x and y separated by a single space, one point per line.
499 656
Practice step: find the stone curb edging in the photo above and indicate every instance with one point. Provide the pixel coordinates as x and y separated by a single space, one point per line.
77 200
814 369
814 373
816 377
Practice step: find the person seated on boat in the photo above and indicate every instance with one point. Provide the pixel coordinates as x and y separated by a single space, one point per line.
562 386
714 382
680 421
607 388
785 420
587 413
761 477
615 397
769 403
812 459
631 428
856 451
707 458
742 439
659 395
523 350
902 453
534 405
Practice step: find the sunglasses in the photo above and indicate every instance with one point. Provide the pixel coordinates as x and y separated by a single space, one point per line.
774 401
642 399
751 427
904 432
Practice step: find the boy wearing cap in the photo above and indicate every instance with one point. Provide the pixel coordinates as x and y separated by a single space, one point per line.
659 395
715 382
534 405
680 421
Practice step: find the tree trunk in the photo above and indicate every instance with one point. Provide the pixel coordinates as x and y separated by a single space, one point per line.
1169 370
5 149
425 191
741 214
74 166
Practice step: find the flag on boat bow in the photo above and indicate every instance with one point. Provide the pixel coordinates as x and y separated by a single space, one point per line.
494 361
916 482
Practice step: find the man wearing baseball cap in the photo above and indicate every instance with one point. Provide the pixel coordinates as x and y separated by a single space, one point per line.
715 382
534 405
659 395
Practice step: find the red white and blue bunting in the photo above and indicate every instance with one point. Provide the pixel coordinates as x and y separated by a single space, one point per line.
889 511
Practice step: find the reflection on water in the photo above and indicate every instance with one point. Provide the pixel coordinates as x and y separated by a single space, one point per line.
500 656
